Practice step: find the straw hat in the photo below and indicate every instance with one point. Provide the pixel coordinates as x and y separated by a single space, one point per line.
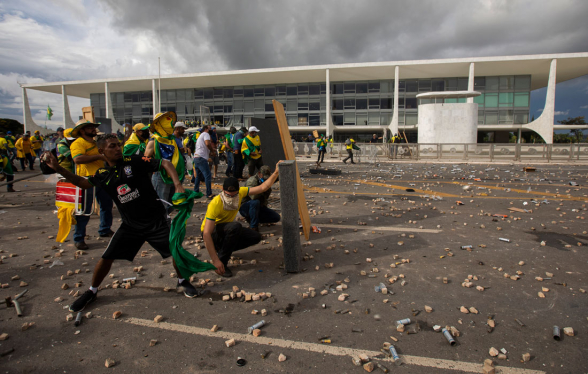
80 125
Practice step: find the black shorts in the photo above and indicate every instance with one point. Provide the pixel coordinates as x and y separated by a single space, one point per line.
127 241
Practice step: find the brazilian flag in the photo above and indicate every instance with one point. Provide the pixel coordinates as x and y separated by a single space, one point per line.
185 261
49 112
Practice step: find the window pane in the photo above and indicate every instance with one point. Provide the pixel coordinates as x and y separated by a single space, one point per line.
361 104
522 82
349 87
302 105
374 118
208 93
269 107
258 91
249 106
337 104
401 86
136 97
314 120
462 84
480 117
400 103
521 118
450 100
280 90
521 99
505 99
128 97
479 83
507 82
323 88
238 105
302 119
411 103
259 104
385 119
292 120
248 92
462 100
361 88
411 86
270 91
146 96
491 118
315 105
386 103
303 89
238 92
314 89
506 116
386 86
490 101
292 104
491 84
228 93
424 85
451 84
374 87
229 109
438 85
374 104
349 119
361 119
338 119
292 91
479 100
411 119
337 89
348 103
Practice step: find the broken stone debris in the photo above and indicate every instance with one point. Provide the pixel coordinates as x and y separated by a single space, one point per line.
109 363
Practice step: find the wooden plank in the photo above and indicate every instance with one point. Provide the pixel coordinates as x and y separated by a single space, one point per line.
88 113
315 134
290 155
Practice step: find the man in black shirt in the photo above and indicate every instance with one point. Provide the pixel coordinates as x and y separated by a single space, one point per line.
126 180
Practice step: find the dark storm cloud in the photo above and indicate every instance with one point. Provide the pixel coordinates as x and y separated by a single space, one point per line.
260 34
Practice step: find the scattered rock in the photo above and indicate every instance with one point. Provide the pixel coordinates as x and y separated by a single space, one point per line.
282 357
230 343
109 363
428 309
526 357
158 318
214 328
568 331
116 314
369 367
256 332
493 352
152 342
4 336
464 310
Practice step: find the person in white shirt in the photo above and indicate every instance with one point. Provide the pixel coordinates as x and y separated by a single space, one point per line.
202 152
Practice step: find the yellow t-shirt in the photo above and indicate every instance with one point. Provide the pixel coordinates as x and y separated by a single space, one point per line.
82 147
36 144
3 144
216 213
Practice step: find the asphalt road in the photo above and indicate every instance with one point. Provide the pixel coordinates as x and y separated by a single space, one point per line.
365 211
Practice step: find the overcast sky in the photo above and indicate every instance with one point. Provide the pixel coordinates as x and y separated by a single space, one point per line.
42 40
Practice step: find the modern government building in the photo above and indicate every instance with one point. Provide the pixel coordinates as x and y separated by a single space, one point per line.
431 101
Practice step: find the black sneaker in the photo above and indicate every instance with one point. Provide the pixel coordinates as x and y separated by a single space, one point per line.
189 290
228 273
79 305
107 234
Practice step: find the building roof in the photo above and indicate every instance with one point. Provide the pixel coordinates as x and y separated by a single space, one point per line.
569 66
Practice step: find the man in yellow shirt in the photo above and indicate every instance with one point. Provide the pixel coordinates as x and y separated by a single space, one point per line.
37 142
349 145
88 160
24 151
221 235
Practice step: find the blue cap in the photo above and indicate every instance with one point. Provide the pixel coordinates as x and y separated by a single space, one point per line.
9 132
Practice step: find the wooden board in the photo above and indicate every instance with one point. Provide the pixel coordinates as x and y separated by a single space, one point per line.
290 155
315 134
88 113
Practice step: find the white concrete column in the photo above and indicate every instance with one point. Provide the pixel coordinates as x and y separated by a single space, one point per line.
156 103
544 124
394 124
328 104
68 123
27 118
114 125
471 82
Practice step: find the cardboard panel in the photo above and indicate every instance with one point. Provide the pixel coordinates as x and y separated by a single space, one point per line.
289 153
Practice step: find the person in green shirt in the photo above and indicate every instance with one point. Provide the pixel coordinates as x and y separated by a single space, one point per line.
321 144
64 153
229 146
137 142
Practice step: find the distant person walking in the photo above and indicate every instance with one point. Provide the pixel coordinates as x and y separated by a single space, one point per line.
238 156
25 152
202 153
349 143
251 150
321 144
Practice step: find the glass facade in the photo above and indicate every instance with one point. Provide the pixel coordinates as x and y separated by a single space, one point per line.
504 100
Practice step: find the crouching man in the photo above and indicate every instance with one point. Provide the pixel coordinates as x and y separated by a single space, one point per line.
221 235
254 207
144 219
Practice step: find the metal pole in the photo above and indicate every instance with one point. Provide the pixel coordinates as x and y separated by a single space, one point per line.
159 83
20 179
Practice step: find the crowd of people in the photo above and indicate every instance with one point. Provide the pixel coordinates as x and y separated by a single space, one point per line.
144 176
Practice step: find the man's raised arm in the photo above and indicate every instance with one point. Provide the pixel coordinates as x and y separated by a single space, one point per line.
52 162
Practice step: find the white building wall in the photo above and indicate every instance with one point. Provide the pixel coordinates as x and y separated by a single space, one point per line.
448 123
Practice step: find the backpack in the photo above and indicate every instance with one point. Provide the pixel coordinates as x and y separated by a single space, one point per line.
347 142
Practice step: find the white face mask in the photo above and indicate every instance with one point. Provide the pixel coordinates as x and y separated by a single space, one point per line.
230 203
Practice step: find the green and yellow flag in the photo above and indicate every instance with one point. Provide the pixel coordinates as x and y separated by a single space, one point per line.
49 112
